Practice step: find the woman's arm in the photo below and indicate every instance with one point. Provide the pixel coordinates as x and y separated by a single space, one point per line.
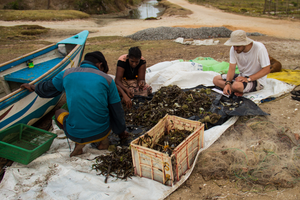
118 80
125 98
141 76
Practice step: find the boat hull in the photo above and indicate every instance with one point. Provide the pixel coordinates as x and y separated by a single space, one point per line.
27 110
27 107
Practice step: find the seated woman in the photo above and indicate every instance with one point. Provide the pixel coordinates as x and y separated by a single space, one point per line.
130 76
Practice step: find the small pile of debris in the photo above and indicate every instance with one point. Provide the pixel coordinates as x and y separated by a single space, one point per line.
117 164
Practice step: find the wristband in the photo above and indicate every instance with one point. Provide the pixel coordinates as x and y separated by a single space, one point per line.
228 83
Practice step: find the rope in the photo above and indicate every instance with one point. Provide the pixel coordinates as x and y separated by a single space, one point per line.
71 61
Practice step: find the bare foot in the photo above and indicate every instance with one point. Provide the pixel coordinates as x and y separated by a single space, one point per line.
77 150
104 144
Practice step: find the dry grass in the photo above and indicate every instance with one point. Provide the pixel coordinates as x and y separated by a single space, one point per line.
9 35
41 15
254 7
15 44
61 15
87 6
237 6
19 40
19 48
154 51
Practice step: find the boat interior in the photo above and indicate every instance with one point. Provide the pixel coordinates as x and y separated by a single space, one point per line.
28 68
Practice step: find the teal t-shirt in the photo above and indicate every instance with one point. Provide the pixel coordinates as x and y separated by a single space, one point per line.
89 91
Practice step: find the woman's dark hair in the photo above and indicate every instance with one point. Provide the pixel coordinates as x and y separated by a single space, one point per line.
97 57
134 52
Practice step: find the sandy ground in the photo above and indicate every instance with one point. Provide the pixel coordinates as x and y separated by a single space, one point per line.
284 46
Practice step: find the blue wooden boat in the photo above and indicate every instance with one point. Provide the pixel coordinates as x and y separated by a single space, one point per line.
21 106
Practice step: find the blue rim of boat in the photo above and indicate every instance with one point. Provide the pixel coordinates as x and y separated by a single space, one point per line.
5 67
78 39
24 93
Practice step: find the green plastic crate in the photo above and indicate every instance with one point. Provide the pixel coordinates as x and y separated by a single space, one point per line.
23 143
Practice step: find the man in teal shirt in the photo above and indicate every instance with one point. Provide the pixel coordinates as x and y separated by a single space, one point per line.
93 101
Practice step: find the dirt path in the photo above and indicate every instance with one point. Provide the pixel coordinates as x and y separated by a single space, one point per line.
202 16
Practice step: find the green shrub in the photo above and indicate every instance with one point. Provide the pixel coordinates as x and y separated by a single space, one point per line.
15 5
294 3
244 10
103 6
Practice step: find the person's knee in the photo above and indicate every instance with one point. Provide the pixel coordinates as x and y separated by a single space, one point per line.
217 79
237 87
59 119
59 111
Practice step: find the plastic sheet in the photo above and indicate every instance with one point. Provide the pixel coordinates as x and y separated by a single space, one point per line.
55 175
186 75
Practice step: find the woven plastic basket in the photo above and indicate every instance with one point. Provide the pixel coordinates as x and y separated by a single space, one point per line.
22 143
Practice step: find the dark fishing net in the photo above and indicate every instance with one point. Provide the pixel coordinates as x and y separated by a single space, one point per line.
173 101
199 103
254 151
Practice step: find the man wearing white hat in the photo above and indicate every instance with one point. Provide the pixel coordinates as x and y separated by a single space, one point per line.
253 62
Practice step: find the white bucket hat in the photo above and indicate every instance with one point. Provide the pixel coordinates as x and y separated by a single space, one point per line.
238 38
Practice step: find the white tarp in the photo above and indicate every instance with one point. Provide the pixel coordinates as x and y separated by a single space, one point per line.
55 175
190 74
197 42
183 74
